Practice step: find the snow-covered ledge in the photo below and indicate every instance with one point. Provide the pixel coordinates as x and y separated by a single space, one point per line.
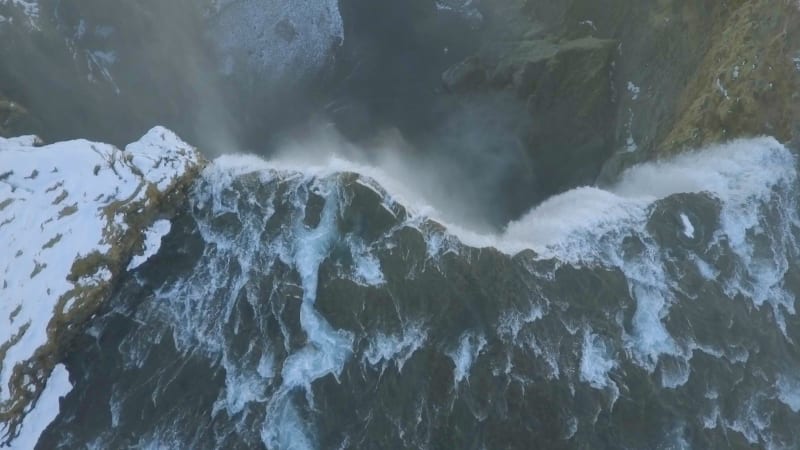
73 215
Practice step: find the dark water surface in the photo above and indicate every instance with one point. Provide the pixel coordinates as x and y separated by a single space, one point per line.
310 308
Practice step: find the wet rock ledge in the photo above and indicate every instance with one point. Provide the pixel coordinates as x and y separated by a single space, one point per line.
73 216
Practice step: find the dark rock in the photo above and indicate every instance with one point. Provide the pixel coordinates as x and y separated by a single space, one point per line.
313 210
464 76
568 90
15 120
367 215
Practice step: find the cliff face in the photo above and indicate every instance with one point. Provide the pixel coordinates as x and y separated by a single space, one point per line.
73 216
15 118
747 80
633 79
338 286
207 69
689 73
644 79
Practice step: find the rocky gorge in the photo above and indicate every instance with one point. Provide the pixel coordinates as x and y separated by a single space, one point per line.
522 265
576 91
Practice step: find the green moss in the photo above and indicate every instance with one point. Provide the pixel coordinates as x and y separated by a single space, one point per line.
68 211
4 204
744 85
37 268
60 197
52 241
54 187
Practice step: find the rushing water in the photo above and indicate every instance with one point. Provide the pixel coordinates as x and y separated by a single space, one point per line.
325 307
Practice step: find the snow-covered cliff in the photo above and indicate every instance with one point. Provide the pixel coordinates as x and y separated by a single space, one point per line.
73 215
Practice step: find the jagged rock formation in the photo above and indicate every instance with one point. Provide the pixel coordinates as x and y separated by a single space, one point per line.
72 217
567 89
689 73
679 74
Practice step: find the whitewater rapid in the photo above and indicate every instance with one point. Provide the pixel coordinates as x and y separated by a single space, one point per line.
299 286
753 182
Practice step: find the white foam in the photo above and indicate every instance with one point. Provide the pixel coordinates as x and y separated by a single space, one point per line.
45 411
585 227
549 352
328 349
712 420
688 228
275 38
469 347
789 392
400 347
596 361
511 323
634 90
286 429
243 385
675 373
205 303
367 267
752 420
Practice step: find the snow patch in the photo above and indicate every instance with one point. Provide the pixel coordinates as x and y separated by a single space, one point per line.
45 411
152 242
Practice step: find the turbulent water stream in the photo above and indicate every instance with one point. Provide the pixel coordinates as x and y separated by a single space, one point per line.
295 307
